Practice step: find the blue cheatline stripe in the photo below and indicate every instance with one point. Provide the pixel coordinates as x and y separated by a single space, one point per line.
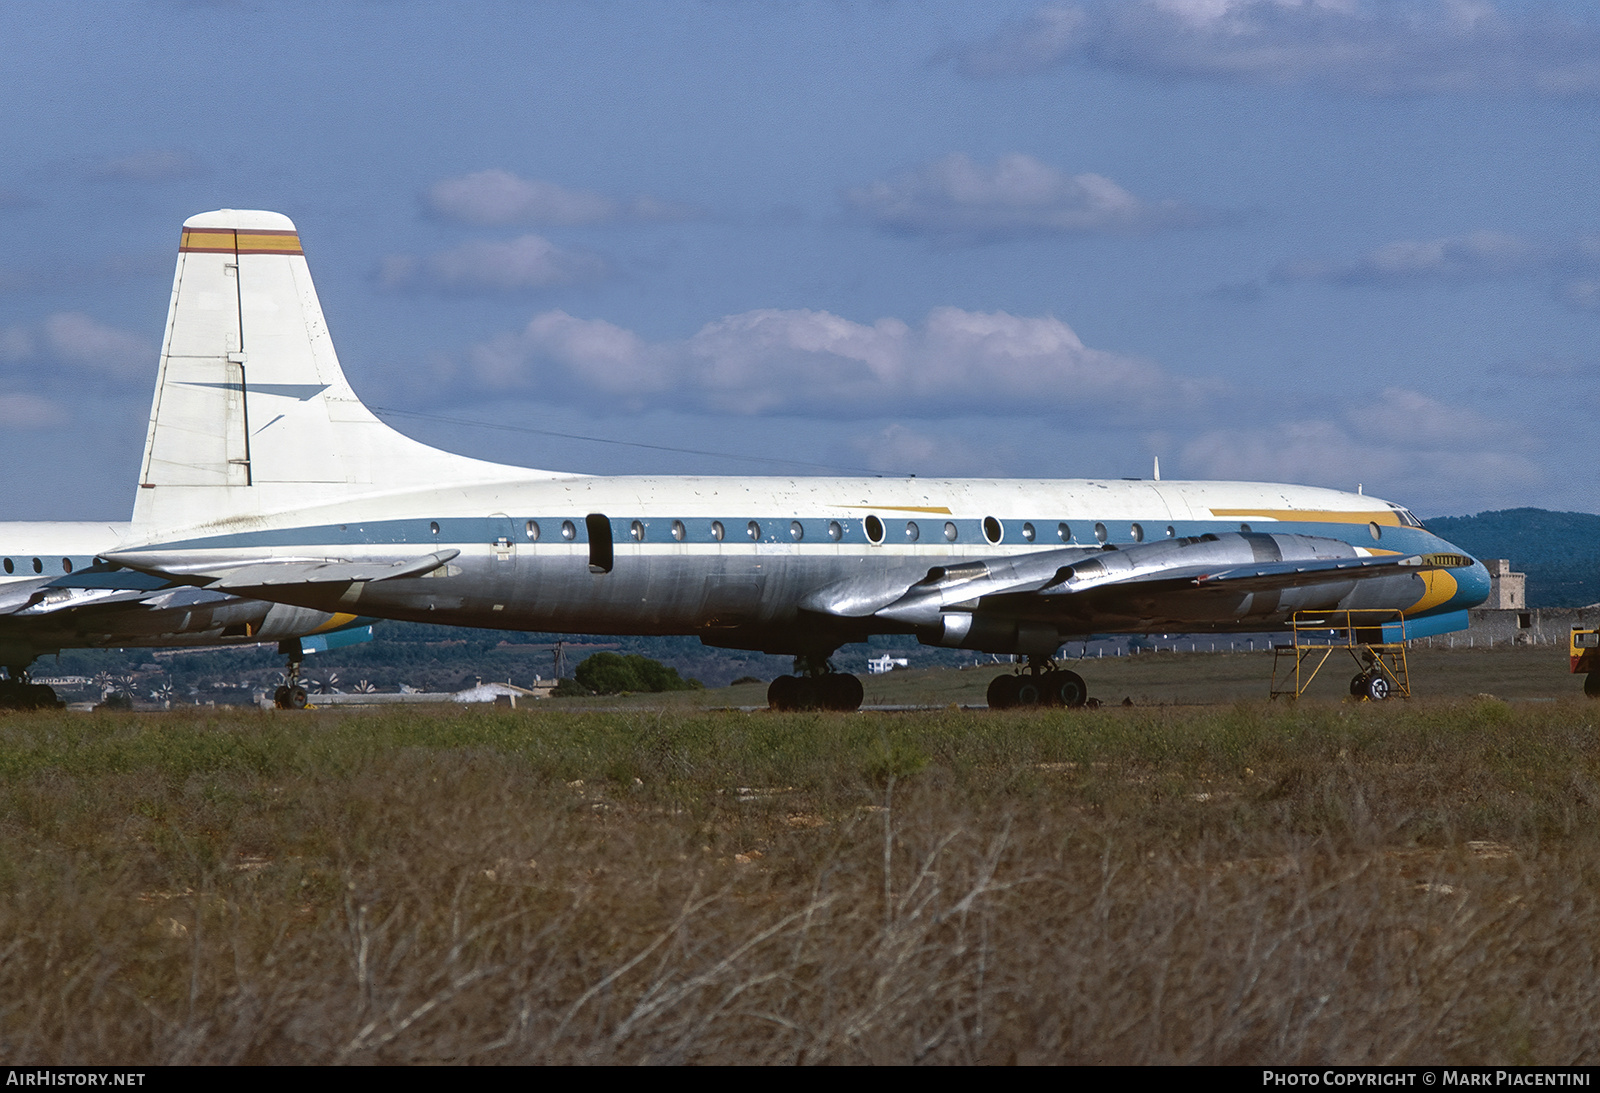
454 531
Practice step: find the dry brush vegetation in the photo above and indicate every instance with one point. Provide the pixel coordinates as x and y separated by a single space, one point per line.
1242 884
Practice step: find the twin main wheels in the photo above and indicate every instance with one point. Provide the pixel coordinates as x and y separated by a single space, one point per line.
1058 688
831 691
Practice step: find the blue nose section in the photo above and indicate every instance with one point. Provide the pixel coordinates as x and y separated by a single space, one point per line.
1472 588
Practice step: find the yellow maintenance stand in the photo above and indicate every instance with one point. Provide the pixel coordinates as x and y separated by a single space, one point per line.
1375 640
1583 651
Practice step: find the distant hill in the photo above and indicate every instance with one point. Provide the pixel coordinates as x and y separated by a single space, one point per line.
1559 551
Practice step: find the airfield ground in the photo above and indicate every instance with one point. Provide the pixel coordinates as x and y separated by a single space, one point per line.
1228 880
1517 673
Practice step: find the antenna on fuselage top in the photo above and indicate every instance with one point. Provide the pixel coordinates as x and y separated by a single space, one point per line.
1158 468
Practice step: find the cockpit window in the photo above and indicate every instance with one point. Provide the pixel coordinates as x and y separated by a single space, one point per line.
1406 518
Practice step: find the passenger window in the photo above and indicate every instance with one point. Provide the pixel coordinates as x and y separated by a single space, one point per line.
835 532
874 528
1028 533
433 527
678 530
1065 532
1171 532
636 529
797 530
1138 532
950 531
992 530
533 530
717 531
913 533
9 567
38 566
66 565
1375 531
753 530
1245 528
1100 533
568 532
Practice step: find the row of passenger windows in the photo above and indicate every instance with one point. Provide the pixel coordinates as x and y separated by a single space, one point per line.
875 529
18 565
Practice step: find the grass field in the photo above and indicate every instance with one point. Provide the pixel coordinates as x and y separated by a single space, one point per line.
1516 672
1240 882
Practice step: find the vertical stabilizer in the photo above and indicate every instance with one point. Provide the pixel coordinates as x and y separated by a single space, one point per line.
252 412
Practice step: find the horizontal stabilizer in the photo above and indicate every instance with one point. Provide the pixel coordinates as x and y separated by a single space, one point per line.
246 573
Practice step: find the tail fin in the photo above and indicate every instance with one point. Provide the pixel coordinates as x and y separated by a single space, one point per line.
252 412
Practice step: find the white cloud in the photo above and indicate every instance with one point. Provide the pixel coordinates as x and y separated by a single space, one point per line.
1463 257
815 362
76 339
151 165
1434 453
527 262
29 412
80 343
1018 195
896 447
1583 295
497 198
1363 46
1567 267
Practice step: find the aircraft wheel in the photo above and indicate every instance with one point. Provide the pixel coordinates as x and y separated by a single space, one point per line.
841 691
1003 692
1377 687
1030 690
280 698
297 698
1358 684
42 697
783 693
1066 689
1591 684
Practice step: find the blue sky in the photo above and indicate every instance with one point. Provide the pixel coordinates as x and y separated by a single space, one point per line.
1331 242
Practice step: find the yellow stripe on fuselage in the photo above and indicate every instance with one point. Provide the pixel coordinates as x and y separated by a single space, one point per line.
334 623
1441 588
1313 516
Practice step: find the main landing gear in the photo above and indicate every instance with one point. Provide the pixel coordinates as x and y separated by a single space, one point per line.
17 693
291 696
815 686
1043 684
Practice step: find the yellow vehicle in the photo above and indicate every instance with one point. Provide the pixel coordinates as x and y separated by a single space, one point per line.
1584 649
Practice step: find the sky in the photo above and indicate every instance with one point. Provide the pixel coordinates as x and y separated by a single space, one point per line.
1332 242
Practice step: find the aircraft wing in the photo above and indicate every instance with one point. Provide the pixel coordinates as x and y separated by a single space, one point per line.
97 585
236 574
1259 578
1045 582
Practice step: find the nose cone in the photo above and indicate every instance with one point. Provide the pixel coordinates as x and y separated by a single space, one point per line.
1472 587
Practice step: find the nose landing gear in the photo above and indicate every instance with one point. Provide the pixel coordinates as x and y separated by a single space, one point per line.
291 696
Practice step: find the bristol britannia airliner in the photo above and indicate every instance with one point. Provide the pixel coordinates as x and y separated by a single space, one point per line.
265 477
